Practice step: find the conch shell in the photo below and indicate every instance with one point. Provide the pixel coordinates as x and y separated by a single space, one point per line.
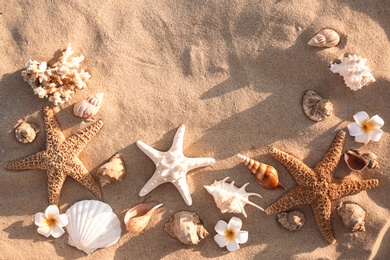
88 107
26 132
325 38
315 107
112 171
137 218
266 175
352 216
357 161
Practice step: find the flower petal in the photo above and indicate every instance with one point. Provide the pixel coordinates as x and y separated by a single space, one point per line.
361 117
355 129
221 227
221 240
376 135
44 230
232 245
57 231
242 237
52 211
363 138
62 220
40 219
235 224
377 121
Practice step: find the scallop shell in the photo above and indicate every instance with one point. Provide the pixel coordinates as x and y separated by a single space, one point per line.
325 38
357 161
26 132
88 107
315 107
229 198
137 218
266 175
186 226
352 216
293 220
92 225
356 74
112 171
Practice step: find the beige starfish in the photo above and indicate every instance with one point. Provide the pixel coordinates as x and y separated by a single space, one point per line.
317 186
60 157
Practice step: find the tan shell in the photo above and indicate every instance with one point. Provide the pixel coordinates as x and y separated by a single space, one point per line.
266 175
357 161
137 218
352 216
293 220
112 171
26 132
315 107
88 107
186 226
325 38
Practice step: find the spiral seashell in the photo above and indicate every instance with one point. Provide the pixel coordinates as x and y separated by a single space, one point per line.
352 216
112 171
26 132
357 161
88 107
292 221
315 107
266 175
325 38
137 218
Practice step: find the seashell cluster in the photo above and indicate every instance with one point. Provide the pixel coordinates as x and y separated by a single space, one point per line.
89 107
315 107
352 216
59 81
357 161
137 218
356 74
293 220
186 226
26 132
229 198
325 38
92 225
265 175
112 171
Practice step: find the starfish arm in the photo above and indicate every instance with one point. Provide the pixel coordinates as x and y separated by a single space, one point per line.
292 198
54 135
152 153
342 187
322 210
153 182
75 143
328 164
300 171
182 187
55 181
178 140
193 163
34 161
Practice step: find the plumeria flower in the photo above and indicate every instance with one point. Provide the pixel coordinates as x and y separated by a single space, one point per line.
51 222
366 128
230 235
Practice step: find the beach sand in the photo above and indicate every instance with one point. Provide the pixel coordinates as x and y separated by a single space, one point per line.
234 73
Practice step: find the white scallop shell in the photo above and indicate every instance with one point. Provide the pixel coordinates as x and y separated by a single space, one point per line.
92 225
88 107
356 74
229 198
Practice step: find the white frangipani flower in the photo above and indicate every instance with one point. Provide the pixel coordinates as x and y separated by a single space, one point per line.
51 222
366 128
230 235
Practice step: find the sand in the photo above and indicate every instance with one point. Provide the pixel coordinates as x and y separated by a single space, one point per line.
234 73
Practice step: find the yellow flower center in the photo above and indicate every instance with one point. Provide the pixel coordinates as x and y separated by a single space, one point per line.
51 222
368 127
230 234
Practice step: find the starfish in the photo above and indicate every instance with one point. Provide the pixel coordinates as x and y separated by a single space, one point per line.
60 157
317 186
172 166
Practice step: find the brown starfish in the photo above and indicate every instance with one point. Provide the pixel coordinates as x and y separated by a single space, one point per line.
60 157
317 186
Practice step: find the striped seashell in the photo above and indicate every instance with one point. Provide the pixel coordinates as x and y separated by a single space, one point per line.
266 175
325 38
88 107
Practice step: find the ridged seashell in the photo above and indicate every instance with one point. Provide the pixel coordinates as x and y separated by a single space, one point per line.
229 198
26 132
354 71
357 161
186 226
88 107
137 218
325 38
293 220
352 216
265 175
112 171
92 225
315 107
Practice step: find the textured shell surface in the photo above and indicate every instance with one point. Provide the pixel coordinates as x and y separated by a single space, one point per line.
26 132
137 218
315 107
352 216
112 171
325 38
89 107
292 221
92 225
229 198
358 161
354 71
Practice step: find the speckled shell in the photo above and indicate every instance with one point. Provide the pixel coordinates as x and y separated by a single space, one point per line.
112 171
26 132
325 38
354 71
137 218
292 221
315 107
265 175
352 216
357 161
88 107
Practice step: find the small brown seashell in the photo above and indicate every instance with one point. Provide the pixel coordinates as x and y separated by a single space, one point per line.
357 161
186 226
137 218
112 171
26 132
88 107
315 107
293 220
266 175
352 216
325 38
